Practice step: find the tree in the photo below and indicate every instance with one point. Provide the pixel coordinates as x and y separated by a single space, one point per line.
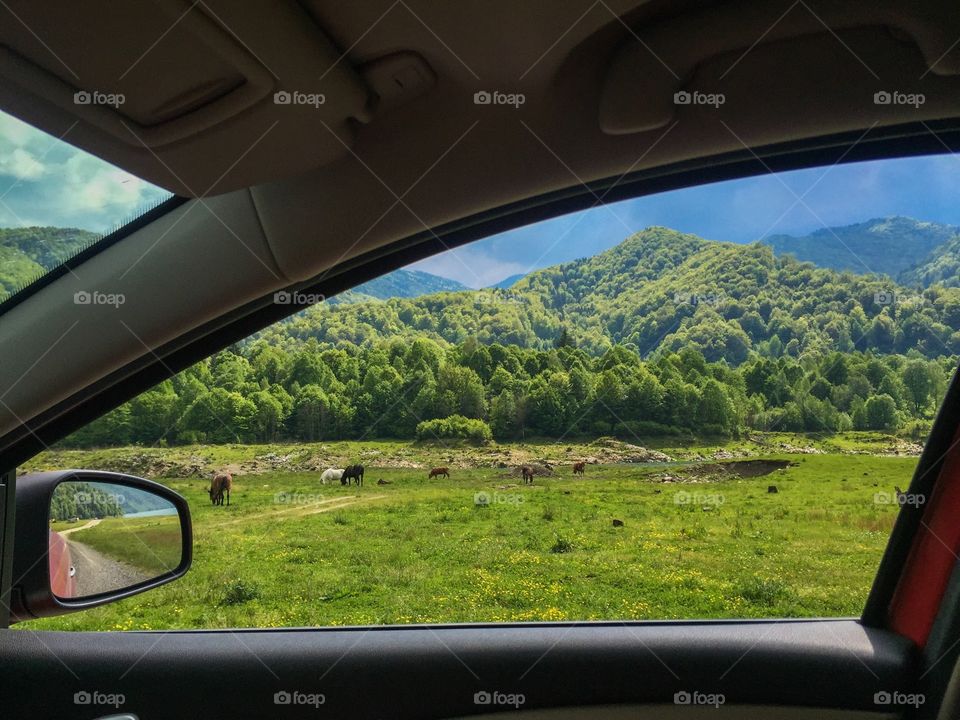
503 416
878 413
919 382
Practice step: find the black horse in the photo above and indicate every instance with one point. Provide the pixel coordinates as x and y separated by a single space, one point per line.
352 471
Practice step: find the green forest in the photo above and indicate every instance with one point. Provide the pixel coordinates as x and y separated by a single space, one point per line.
666 333
84 501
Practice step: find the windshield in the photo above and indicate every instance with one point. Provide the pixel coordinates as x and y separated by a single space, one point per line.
56 200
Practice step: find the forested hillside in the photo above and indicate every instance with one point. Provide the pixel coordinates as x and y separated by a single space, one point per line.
28 252
408 283
661 290
940 267
665 333
887 246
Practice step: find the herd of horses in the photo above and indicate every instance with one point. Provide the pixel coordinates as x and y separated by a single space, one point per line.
222 482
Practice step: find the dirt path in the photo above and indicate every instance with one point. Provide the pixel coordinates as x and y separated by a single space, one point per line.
301 510
92 523
97 573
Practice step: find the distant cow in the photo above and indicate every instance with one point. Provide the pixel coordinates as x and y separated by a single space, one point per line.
438 471
220 486
578 468
527 473
352 472
331 475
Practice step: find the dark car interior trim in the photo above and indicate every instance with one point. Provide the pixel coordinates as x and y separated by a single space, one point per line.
236 674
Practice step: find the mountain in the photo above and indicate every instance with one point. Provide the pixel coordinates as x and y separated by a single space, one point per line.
662 290
508 282
28 252
886 246
408 284
942 266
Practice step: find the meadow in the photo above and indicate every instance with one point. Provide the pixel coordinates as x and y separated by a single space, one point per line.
687 539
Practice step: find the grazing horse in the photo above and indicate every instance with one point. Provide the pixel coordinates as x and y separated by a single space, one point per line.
527 473
578 468
221 485
438 471
330 475
354 472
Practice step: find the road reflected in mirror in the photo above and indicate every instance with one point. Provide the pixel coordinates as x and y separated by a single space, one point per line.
106 537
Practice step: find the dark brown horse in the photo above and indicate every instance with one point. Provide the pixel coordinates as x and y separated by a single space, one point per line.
527 472
438 471
354 472
221 485
578 468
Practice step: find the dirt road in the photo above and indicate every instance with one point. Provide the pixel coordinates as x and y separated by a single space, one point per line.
97 573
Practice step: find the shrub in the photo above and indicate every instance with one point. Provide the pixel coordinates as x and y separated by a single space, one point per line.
562 545
455 427
239 592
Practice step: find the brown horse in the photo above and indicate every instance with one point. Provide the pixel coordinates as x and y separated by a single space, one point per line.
578 468
221 485
527 473
438 471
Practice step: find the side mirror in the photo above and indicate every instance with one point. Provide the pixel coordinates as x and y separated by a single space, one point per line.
84 538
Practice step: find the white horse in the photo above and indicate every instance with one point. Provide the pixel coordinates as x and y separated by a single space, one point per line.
330 475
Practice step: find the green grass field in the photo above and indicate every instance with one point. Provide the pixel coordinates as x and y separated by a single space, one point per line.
706 544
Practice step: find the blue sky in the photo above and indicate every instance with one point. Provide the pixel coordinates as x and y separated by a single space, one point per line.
738 210
46 181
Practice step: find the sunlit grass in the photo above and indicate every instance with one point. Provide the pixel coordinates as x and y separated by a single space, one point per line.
289 551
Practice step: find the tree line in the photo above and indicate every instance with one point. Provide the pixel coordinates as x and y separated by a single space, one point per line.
427 389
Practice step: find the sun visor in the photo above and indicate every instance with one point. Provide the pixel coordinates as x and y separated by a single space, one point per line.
197 97
647 79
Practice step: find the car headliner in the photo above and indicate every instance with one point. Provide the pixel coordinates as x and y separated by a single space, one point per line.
379 176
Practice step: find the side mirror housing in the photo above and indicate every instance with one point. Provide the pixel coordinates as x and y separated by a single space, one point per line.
84 538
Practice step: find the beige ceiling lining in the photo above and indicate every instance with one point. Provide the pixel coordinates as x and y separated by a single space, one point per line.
637 94
183 94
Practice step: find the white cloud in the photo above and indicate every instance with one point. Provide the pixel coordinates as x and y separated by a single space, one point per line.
473 267
46 181
22 165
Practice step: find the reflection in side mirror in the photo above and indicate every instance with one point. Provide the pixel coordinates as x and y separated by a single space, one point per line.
105 537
